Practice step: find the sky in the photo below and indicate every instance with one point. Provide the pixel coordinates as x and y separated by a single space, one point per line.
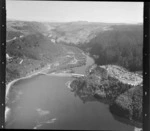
66 11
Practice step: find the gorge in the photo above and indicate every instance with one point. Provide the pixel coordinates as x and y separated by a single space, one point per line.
43 62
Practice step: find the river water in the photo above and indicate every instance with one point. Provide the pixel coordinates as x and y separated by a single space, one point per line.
45 102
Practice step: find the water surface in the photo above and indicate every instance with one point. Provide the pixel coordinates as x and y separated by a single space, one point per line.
45 102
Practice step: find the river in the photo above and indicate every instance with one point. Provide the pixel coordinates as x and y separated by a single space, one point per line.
45 102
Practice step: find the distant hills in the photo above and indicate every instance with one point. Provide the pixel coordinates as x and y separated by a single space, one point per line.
116 48
123 45
39 43
28 49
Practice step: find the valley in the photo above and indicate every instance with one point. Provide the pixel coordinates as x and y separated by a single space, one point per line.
98 62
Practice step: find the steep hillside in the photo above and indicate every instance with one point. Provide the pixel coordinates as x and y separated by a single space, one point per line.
119 44
113 85
18 28
122 46
129 104
33 46
28 49
116 49
76 33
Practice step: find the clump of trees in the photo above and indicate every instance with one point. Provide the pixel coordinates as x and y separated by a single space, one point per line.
125 100
11 74
129 104
98 83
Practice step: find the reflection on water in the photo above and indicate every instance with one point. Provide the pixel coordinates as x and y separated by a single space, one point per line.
44 102
86 96
128 122
81 93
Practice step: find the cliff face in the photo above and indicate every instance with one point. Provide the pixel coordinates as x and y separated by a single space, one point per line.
115 86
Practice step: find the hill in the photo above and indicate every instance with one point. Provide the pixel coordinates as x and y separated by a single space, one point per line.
28 50
115 86
123 45
116 49
119 44
107 43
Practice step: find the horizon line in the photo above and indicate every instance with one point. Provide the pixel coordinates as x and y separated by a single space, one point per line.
53 21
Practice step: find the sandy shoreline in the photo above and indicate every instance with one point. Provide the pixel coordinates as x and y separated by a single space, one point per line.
62 74
44 72
41 71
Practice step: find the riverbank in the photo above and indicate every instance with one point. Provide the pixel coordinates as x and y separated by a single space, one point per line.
44 72
55 88
50 69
